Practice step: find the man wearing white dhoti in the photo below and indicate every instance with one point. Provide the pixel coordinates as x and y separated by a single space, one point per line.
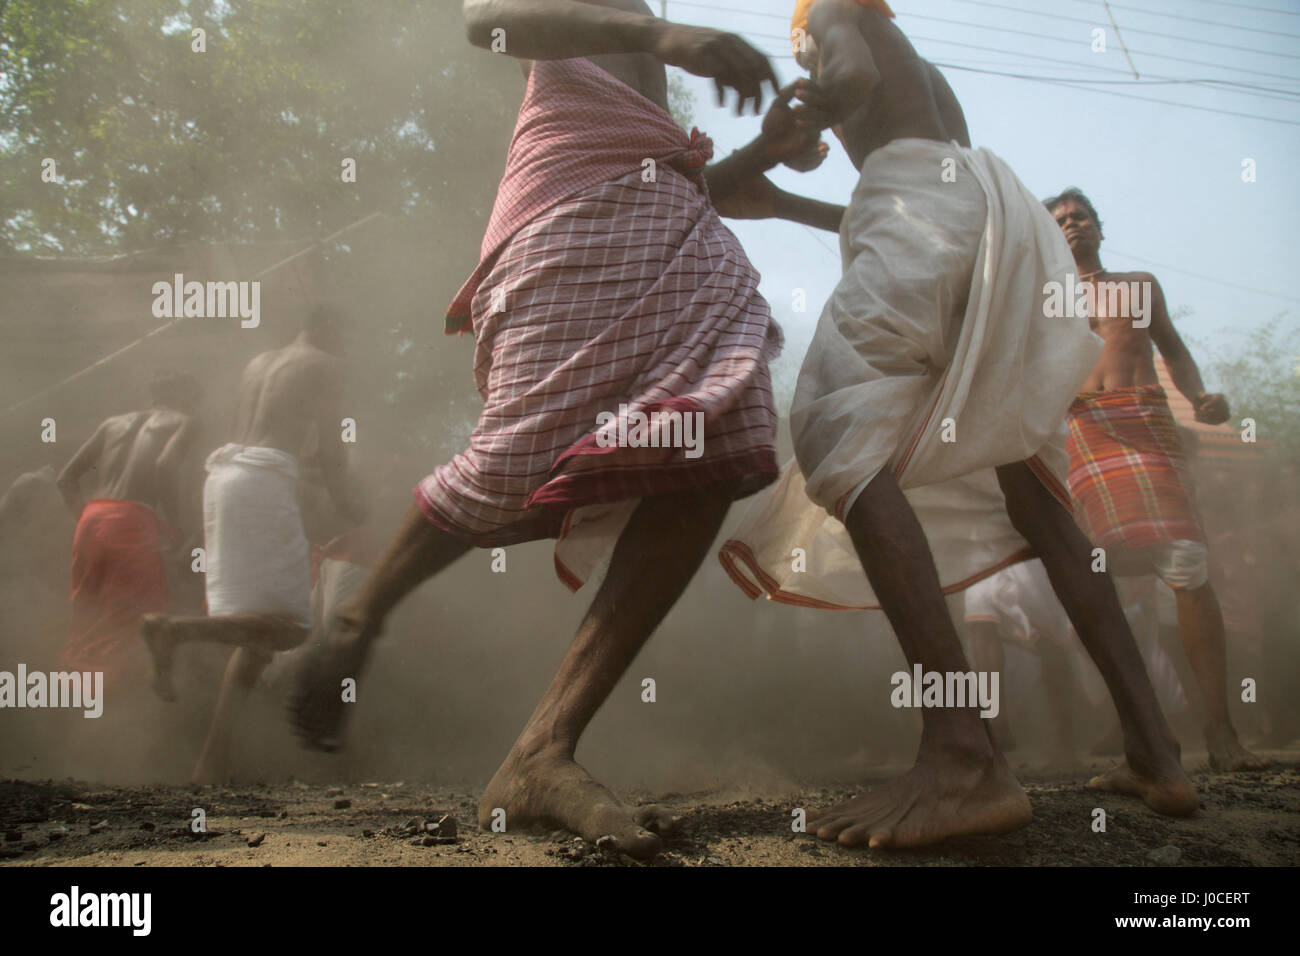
258 562
934 363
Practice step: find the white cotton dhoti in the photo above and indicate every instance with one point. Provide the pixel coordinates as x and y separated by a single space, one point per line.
258 558
933 357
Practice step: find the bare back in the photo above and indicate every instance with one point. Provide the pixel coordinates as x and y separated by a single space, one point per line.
284 395
910 98
122 460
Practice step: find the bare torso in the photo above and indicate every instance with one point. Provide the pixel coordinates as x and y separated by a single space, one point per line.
126 468
911 99
1127 357
282 396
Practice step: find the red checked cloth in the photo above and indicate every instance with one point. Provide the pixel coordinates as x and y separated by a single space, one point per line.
1128 477
578 127
601 287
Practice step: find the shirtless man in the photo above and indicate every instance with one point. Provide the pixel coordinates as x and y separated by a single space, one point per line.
126 512
1128 472
595 331
258 563
918 307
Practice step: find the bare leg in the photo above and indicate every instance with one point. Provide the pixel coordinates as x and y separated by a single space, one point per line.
987 655
960 783
1200 623
418 550
1153 771
258 632
540 782
242 670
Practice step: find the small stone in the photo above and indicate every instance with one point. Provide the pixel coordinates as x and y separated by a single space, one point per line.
321 843
559 836
333 791
1168 855
101 825
367 833
284 814
418 841
147 826
58 833
716 861
447 826
342 804
257 840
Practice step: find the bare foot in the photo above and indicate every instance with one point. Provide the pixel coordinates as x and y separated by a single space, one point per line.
1170 794
552 790
1227 753
940 797
317 708
162 648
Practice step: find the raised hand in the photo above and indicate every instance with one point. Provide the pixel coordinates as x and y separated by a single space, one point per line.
724 57
1211 408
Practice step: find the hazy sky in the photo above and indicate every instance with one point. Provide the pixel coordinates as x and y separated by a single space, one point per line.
1166 180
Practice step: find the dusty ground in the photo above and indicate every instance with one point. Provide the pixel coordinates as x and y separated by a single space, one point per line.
1246 819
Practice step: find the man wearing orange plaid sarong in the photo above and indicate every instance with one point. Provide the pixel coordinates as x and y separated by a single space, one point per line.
621 349
1128 476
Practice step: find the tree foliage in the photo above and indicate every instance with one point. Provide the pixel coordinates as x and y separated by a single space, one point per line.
155 143
1261 378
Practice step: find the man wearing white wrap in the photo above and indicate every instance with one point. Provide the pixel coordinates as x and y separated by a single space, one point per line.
258 575
935 369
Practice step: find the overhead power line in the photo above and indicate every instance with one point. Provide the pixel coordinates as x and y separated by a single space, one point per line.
1219 24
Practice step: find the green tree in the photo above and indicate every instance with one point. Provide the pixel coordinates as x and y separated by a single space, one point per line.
1261 378
156 143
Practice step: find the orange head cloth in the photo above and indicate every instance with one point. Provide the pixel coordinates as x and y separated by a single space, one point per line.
799 22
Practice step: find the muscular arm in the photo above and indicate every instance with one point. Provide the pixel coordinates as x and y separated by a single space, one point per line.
69 480
562 29
847 70
1212 409
558 29
810 212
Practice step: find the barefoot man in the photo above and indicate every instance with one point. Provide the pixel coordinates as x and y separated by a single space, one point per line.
126 515
258 577
1128 475
608 292
933 364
